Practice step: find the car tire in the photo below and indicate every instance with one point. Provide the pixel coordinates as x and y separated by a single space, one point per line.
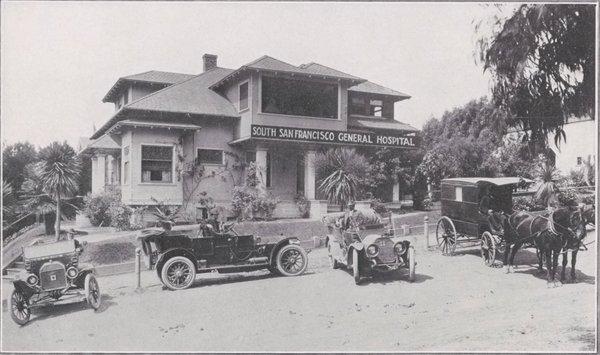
92 291
178 273
291 260
412 263
355 266
19 308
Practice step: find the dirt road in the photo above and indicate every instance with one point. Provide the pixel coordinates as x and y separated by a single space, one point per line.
455 303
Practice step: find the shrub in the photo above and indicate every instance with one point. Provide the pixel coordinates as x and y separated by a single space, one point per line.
567 198
589 199
523 203
120 216
379 206
97 207
249 203
303 205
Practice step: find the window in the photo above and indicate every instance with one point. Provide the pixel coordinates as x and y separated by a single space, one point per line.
299 97
250 157
458 193
357 106
376 107
210 156
157 163
243 96
126 173
579 160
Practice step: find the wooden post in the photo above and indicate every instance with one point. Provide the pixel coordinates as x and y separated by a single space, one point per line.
426 229
138 275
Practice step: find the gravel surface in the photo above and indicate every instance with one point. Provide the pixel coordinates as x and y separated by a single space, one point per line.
456 303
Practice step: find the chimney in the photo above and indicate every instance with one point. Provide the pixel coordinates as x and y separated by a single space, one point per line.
210 61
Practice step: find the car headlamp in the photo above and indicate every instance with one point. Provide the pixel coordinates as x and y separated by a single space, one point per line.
399 248
32 280
72 272
372 250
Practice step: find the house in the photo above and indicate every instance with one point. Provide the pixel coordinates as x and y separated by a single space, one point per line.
267 111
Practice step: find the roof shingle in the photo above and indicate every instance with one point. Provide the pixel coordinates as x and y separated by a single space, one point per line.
372 88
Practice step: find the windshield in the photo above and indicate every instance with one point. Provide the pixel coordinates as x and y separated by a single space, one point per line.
50 249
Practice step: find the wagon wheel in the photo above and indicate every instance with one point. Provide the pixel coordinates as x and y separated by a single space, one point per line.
488 248
19 308
445 233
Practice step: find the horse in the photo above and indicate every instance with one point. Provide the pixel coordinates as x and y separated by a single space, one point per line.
552 233
574 241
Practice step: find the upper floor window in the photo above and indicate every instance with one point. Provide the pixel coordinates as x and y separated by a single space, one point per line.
157 163
210 156
299 97
243 104
375 107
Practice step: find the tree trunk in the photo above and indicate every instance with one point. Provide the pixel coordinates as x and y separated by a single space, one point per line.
57 223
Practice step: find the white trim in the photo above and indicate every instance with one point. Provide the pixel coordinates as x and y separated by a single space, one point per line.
173 158
248 96
211 164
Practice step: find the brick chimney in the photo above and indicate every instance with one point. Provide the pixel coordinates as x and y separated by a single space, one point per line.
210 61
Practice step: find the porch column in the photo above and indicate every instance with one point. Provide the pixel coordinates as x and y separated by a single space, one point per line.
309 175
396 192
98 173
261 167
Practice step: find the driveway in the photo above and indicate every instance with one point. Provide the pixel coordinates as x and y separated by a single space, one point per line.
456 303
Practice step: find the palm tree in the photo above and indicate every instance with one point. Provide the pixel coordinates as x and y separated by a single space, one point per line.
59 172
344 171
548 174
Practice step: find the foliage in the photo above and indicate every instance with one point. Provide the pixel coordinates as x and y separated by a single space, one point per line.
366 218
567 198
97 207
542 59
389 166
511 158
589 199
120 216
303 205
84 183
250 203
548 190
14 159
524 203
344 173
379 206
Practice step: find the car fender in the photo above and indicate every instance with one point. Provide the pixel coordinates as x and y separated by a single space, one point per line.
23 287
279 245
356 245
169 253
84 269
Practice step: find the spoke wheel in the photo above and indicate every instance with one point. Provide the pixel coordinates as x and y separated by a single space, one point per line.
178 273
445 234
92 291
412 263
488 248
355 266
291 260
19 308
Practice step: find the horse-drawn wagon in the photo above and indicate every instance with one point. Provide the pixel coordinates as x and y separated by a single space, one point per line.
464 223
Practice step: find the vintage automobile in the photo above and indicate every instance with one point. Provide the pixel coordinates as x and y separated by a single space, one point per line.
369 249
52 274
177 256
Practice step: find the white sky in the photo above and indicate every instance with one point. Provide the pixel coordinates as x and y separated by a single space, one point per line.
59 59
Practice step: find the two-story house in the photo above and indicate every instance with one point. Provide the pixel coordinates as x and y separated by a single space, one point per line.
267 111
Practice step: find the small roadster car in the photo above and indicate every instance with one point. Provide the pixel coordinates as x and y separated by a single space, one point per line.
367 254
178 255
52 274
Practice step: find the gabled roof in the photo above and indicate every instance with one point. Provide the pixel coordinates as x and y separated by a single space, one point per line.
105 142
162 78
387 124
372 88
270 64
191 96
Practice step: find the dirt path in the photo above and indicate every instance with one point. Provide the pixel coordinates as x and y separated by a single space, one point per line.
456 303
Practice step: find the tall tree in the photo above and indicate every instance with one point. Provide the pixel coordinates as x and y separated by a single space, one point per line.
59 172
14 159
542 59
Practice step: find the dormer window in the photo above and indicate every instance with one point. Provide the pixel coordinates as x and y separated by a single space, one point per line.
243 103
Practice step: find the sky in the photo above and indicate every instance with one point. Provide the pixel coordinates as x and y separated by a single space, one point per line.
58 60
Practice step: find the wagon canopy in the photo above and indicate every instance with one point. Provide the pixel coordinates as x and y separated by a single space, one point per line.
500 181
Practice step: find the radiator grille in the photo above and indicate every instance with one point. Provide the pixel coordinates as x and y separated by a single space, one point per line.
53 276
386 250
